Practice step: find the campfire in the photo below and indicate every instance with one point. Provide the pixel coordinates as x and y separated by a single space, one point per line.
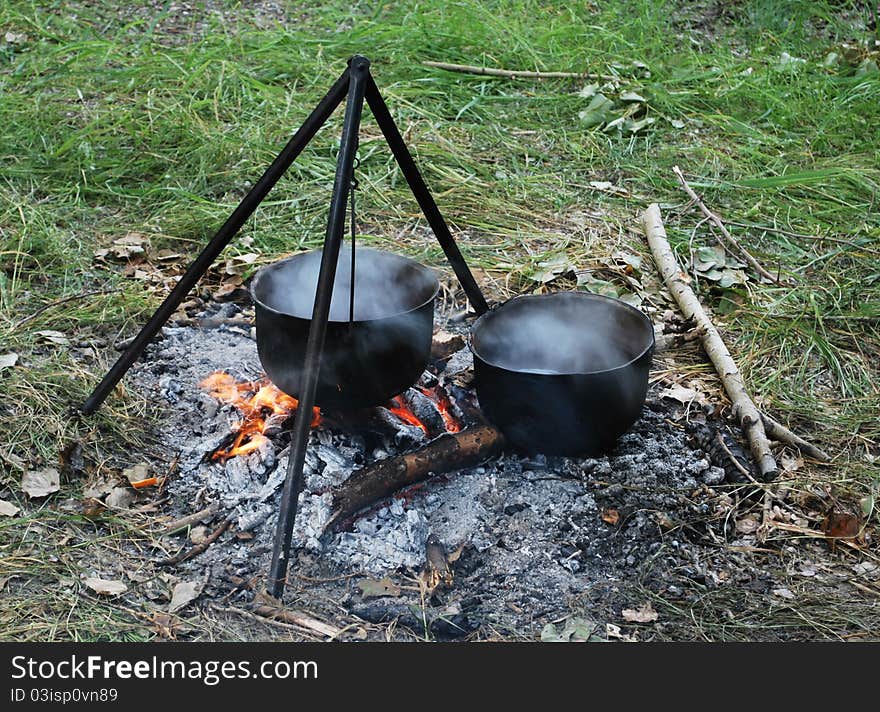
264 409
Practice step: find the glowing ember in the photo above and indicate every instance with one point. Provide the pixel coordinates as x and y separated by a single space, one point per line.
402 411
444 406
261 404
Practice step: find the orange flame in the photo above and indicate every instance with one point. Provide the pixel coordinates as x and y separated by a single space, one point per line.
444 406
261 405
402 411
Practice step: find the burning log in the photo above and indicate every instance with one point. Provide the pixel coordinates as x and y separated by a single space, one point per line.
382 479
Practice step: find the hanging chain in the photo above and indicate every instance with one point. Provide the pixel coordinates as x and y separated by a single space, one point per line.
353 188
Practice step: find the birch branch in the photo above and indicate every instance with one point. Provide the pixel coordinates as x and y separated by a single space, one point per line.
744 408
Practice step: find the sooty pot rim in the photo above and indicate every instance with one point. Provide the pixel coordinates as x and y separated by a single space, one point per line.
375 255
484 320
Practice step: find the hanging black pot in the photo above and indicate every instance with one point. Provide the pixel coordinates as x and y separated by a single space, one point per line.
367 360
563 373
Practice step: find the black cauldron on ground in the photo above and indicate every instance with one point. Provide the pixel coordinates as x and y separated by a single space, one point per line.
563 373
367 359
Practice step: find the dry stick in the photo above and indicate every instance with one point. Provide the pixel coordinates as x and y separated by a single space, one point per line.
63 300
743 407
379 480
191 519
517 74
198 548
299 619
778 431
729 241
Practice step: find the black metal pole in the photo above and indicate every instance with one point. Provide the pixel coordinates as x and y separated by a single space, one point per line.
224 235
423 197
359 68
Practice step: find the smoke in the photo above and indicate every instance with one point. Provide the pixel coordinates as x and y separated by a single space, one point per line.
561 333
385 285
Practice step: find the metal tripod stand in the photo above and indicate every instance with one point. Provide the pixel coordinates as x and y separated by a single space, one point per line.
358 85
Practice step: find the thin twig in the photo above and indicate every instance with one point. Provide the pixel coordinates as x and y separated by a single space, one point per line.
63 300
777 431
190 519
297 618
517 74
729 242
198 548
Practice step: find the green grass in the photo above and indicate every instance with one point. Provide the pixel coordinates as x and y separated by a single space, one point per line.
118 120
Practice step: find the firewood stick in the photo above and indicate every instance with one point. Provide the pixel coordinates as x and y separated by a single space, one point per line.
298 619
778 431
379 480
729 242
199 548
190 519
744 408
516 74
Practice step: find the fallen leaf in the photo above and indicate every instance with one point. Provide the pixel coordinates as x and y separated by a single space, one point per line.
39 483
791 463
680 394
548 270
598 111
783 593
53 337
645 614
371 588
576 630
8 509
99 489
184 593
610 516
120 498
747 525
839 525
105 587
629 96
613 631
165 624
199 534
8 360
133 244
240 263
136 473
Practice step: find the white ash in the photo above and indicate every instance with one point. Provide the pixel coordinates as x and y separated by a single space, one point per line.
533 529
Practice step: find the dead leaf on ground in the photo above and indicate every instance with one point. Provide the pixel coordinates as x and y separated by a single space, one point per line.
137 473
127 247
840 525
681 394
52 337
120 498
240 263
183 594
791 463
610 516
105 587
40 483
165 624
199 534
576 630
8 509
371 588
747 525
645 614
783 592
8 360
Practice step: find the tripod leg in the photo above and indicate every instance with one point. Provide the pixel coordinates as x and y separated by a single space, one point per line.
423 197
232 225
358 72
